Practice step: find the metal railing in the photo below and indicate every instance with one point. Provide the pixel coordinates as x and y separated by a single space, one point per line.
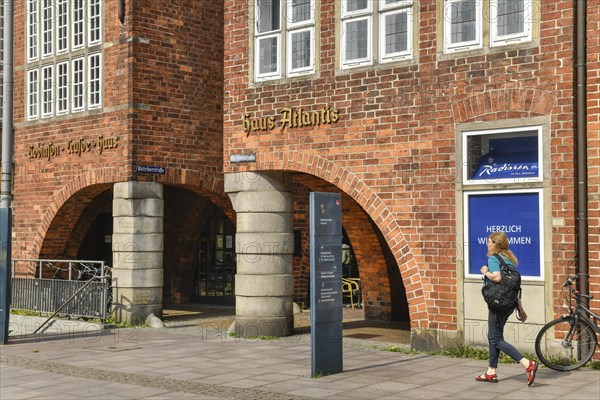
56 282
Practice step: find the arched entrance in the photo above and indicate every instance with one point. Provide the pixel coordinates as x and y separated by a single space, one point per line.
214 262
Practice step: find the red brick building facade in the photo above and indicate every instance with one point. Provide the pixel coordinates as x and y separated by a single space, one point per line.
310 89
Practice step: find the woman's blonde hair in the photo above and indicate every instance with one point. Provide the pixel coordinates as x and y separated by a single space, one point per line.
501 246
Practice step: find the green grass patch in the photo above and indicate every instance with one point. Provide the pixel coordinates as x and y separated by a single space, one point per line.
26 313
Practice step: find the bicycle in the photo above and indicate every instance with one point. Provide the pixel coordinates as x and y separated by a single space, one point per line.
569 342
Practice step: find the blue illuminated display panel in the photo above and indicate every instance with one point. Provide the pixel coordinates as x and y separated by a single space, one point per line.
516 213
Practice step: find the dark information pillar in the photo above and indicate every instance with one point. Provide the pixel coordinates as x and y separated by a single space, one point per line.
5 257
326 283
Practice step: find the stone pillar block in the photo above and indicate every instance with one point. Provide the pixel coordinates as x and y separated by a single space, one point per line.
138 243
264 283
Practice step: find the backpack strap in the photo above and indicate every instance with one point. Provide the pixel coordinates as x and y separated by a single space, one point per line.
502 262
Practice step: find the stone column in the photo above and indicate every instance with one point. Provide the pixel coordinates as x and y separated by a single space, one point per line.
138 210
264 284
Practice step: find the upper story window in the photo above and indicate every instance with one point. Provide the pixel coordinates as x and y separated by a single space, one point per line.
508 21
361 40
462 25
284 27
64 57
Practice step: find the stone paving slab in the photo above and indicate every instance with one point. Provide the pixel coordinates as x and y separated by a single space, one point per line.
158 364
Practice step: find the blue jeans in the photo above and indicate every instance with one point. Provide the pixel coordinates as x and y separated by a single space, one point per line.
496 340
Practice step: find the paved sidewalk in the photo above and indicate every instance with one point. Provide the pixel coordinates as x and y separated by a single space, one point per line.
169 364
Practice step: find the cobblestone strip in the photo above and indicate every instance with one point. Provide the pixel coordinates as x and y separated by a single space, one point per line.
144 380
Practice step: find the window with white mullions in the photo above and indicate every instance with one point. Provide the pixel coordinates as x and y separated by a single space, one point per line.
62 88
510 21
395 30
284 27
33 94
300 39
462 25
77 85
62 27
47 28
95 81
77 16
375 31
267 39
47 91
32 30
356 33
94 21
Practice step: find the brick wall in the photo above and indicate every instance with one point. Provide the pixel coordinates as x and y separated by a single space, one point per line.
394 151
162 97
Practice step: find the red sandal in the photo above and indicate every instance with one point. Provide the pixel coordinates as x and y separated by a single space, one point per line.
531 370
487 378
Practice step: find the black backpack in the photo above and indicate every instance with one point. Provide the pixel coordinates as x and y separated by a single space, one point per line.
502 297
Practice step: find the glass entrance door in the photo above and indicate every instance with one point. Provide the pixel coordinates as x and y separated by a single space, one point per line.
215 271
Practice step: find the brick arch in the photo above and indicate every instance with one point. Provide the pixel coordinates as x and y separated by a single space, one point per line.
503 104
93 182
377 210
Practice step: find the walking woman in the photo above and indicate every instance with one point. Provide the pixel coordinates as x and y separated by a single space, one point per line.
497 243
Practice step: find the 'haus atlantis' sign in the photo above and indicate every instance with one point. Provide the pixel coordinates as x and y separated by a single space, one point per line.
290 117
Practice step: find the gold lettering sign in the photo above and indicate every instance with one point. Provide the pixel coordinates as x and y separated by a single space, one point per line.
290 118
72 147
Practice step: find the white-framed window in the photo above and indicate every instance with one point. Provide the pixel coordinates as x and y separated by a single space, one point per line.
95 81
68 77
300 37
516 212
77 85
47 28
395 30
357 38
375 31
62 26
94 22
33 93
77 16
462 25
62 88
47 91
510 21
267 39
32 30
284 38
511 155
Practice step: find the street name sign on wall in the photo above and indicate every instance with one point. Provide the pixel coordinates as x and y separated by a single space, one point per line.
326 283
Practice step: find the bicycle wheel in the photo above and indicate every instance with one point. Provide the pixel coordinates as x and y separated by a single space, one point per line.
564 344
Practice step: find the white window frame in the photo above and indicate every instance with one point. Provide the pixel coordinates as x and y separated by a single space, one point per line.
47 90
525 36
33 94
47 23
93 79
299 27
62 26
76 84
62 88
94 29
405 6
77 36
508 133
356 16
267 35
33 34
466 214
462 46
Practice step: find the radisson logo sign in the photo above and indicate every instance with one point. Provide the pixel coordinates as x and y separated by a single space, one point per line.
289 118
